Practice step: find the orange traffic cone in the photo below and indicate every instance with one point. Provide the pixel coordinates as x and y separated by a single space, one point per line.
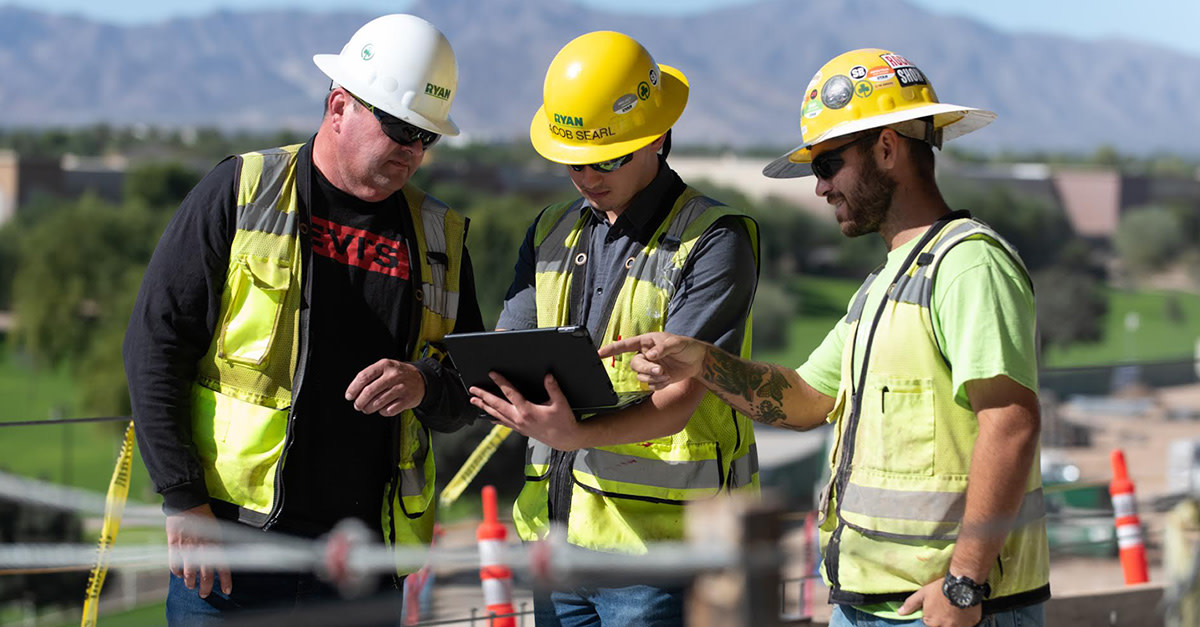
1129 527
493 574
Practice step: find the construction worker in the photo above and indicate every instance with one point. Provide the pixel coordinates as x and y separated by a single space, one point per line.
934 510
638 251
292 311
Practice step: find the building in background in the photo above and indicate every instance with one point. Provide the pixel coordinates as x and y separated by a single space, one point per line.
23 179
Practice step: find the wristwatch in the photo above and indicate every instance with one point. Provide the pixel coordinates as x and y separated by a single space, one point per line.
963 592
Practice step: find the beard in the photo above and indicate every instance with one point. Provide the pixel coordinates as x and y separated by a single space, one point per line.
868 203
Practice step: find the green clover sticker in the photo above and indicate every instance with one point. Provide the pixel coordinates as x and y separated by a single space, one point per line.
643 90
368 52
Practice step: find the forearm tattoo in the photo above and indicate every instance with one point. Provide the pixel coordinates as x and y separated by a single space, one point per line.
753 389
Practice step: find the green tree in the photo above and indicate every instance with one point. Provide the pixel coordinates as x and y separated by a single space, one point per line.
1070 306
73 290
1038 229
159 185
773 311
1148 239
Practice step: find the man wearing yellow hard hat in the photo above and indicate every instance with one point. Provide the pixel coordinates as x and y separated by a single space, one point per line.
934 512
639 251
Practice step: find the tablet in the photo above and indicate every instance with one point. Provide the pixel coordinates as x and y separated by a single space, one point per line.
525 356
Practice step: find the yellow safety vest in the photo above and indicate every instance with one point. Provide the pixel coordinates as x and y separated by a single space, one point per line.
628 495
900 465
245 389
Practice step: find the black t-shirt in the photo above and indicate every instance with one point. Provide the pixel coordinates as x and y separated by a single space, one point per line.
340 459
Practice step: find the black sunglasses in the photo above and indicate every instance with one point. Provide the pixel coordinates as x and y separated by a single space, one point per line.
827 164
398 130
605 167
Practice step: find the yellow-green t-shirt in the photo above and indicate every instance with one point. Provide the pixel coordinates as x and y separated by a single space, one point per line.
983 317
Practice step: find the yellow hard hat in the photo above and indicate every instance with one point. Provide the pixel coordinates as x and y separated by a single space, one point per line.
605 97
872 88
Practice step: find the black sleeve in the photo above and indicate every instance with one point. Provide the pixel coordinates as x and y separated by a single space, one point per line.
520 304
446 406
170 331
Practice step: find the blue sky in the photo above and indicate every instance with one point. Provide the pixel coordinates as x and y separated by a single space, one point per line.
1169 23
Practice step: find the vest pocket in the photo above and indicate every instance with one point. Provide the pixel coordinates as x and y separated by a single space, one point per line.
896 426
257 291
239 445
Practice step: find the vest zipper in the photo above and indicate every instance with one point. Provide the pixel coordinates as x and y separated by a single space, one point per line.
851 430
561 484
883 400
303 213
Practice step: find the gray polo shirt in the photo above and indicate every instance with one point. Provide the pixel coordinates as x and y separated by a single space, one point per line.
716 287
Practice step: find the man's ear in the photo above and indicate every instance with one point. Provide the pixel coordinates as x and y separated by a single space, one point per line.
891 144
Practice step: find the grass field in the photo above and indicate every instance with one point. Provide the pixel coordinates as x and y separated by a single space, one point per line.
74 454
1164 331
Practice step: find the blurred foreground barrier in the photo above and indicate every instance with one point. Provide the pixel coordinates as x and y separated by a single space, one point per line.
1181 599
747 591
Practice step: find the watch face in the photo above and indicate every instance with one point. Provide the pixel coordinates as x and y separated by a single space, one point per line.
961 595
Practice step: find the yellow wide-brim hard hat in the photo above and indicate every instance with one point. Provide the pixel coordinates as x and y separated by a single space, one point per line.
605 97
866 89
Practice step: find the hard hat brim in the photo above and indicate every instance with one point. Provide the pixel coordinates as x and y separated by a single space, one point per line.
332 66
954 120
675 96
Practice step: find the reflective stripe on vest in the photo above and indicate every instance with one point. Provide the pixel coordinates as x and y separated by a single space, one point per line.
911 448
714 453
243 396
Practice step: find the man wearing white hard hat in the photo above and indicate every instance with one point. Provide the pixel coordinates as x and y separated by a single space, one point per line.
284 356
934 512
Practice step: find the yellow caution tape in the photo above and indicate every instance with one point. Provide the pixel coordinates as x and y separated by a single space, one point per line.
473 465
114 507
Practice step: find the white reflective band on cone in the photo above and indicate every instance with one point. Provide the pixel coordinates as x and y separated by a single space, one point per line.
489 553
497 592
1129 536
1124 505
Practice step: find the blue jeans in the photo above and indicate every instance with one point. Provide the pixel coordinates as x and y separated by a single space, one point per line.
1029 616
270 598
632 606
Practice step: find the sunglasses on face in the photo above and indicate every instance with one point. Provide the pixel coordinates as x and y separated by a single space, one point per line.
827 164
605 167
398 130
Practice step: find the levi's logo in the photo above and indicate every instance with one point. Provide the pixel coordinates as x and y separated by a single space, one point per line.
359 248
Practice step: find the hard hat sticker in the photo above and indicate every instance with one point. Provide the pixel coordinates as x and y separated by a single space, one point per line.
813 108
910 76
862 89
837 92
624 104
895 61
654 76
906 72
643 90
368 51
858 72
880 73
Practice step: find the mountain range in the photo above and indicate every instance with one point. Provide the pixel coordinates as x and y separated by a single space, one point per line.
747 65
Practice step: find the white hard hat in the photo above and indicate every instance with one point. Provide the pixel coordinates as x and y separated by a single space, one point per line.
402 65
